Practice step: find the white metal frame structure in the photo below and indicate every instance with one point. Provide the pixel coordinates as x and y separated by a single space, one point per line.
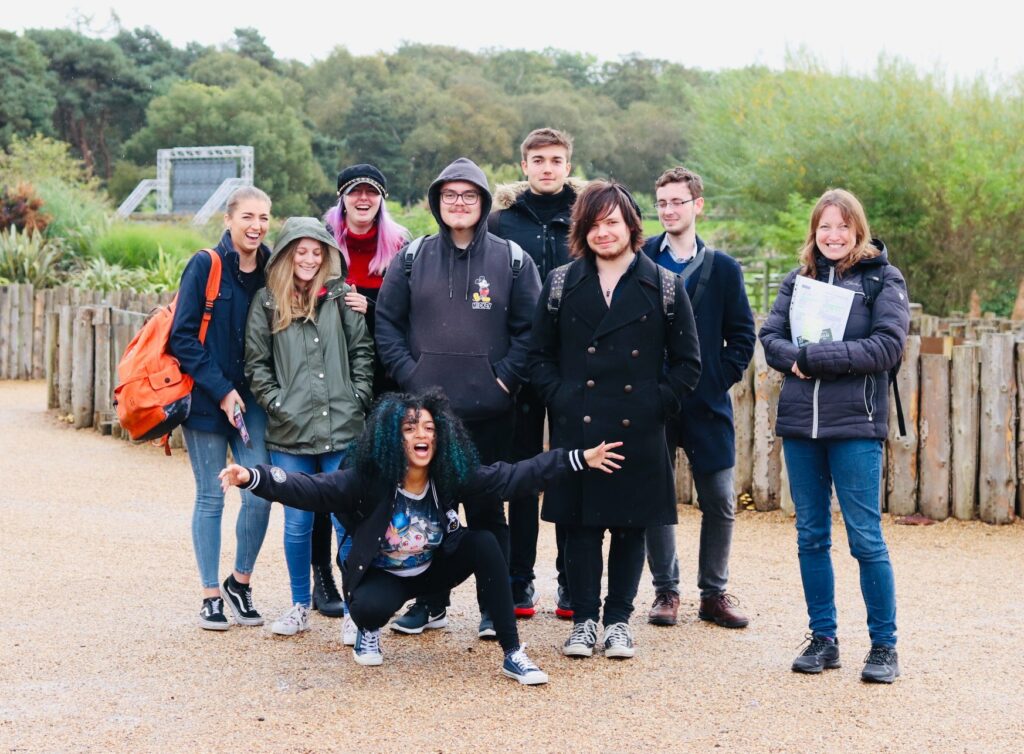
165 159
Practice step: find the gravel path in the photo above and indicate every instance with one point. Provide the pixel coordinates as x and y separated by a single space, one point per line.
99 650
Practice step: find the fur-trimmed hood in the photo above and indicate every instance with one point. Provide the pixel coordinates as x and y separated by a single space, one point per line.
506 194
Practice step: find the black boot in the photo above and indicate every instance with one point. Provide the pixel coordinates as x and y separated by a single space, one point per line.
326 598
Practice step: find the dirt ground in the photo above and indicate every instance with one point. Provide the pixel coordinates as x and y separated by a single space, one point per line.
99 650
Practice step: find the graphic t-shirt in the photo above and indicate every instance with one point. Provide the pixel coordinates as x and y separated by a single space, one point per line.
412 536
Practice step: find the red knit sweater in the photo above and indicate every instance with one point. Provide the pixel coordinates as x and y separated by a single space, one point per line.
361 249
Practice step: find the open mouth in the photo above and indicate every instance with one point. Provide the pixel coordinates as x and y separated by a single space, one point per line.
421 449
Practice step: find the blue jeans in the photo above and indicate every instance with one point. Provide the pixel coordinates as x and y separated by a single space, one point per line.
207 452
298 524
717 501
855 467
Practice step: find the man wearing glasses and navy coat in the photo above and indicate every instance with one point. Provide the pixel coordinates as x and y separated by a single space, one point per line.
455 311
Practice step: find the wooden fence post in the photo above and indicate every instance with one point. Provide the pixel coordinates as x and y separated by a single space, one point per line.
684 479
935 442
65 357
997 488
26 323
82 372
103 405
767 447
38 370
51 363
965 415
13 331
901 475
1020 430
5 327
743 421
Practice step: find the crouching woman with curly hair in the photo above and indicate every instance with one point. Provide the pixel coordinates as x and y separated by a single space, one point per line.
412 464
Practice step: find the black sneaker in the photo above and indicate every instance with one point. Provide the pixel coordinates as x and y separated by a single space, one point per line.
239 599
563 605
486 630
524 598
419 617
821 653
882 665
211 616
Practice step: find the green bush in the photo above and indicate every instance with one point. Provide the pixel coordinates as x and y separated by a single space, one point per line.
416 218
79 215
100 275
27 257
139 245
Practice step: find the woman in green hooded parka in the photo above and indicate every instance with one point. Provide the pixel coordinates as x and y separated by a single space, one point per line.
309 360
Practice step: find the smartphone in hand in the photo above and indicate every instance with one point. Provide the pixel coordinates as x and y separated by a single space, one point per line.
240 424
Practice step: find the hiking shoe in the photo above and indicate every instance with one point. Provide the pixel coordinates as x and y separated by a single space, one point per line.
524 598
563 607
211 616
366 650
664 610
326 598
582 640
722 610
517 665
486 630
348 632
882 665
292 622
618 641
821 653
238 596
420 617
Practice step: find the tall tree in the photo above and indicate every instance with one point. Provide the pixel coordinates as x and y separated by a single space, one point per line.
26 97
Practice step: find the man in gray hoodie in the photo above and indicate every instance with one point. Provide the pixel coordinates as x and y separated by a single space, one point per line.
458 316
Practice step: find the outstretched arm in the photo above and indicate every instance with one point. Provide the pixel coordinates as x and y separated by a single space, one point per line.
331 492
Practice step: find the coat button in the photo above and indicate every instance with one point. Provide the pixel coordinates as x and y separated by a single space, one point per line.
591 349
643 318
586 420
634 353
360 568
322 374
625 423
325 413
590 383
327 447
628 388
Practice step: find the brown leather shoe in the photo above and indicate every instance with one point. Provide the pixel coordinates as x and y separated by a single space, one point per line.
722 610
665 609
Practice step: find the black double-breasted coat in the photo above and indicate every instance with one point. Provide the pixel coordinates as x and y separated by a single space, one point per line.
612 373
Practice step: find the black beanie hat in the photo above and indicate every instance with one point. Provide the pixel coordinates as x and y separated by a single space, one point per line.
353 175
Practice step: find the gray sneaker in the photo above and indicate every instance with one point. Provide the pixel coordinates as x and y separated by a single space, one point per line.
582 640
820 653
882 665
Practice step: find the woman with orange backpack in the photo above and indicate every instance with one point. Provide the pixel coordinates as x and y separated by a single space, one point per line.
224 412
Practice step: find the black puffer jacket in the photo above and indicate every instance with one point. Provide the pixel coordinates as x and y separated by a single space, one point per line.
848 395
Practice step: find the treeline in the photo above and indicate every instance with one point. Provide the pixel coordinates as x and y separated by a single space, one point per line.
938 164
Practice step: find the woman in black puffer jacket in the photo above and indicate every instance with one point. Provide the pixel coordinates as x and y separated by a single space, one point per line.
832 416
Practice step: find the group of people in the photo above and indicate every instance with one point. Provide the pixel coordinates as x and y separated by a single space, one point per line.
372 383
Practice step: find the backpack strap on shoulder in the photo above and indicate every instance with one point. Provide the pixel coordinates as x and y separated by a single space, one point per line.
705 276
557 286
409 254
667 283
212 291
515 257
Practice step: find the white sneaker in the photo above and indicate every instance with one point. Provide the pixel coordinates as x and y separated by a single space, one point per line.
618 641
292 622
367 649
348 632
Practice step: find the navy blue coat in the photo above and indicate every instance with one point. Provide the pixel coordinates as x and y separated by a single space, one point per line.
725 328
218 365
848 395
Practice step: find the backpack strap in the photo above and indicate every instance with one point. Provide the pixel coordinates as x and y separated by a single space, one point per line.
667 283
705 276
515 257
409 254
871 283
557 286
212 291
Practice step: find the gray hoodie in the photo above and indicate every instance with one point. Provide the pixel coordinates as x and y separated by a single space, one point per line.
459 320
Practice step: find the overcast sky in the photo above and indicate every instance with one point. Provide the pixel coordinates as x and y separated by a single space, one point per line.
961 39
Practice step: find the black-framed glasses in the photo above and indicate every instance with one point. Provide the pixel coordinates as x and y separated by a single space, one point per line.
673 203
468 198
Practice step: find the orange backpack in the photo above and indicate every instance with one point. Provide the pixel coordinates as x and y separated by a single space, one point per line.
153 396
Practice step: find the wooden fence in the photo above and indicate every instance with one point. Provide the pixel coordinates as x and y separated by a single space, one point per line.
962 387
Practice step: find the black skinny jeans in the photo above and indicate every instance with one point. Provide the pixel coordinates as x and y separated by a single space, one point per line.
380 594
584 564
493 440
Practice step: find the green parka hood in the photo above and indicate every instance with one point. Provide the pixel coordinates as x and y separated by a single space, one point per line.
295 228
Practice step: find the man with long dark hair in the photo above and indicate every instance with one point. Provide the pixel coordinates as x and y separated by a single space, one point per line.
613 352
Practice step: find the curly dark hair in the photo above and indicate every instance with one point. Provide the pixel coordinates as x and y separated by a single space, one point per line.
379 453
